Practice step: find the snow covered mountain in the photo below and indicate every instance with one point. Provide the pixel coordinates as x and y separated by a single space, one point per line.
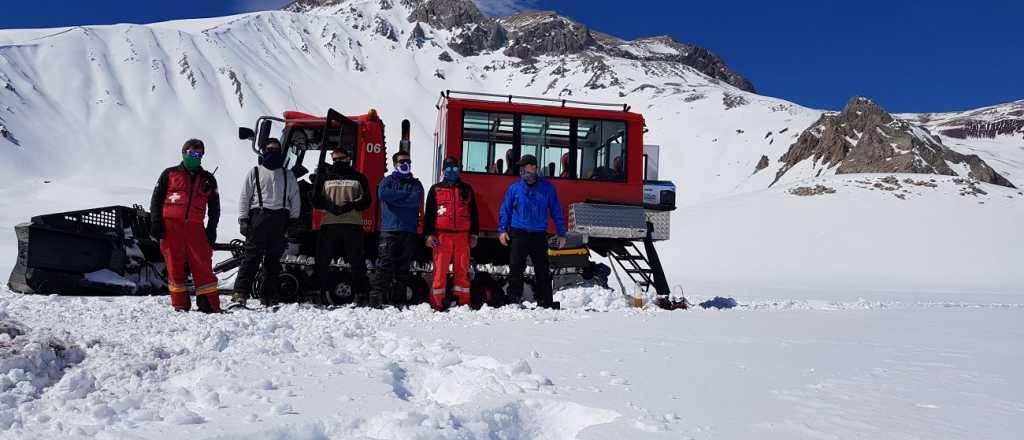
90 113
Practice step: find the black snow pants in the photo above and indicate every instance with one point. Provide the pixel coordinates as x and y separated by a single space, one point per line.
396 252
347 240
264 245
523 243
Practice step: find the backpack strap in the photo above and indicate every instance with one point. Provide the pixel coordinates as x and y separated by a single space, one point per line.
259 189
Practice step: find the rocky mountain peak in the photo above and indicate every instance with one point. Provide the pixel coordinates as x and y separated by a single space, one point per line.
307 5
531 34
864 138
445 14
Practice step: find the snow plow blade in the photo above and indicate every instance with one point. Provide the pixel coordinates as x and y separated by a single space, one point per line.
100 251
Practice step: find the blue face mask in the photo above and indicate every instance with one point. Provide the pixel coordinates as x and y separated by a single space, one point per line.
404 168
451 174
528 177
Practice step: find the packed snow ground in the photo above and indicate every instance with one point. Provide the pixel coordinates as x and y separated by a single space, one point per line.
766 369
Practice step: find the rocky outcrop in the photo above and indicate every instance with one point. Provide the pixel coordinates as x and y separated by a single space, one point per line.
307 5
989 122
864 138
444 14
761 164
546 33
475 39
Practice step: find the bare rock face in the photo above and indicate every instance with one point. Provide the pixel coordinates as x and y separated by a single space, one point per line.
478 38
306 5
546 33
989 122
864 138
444 14
761 164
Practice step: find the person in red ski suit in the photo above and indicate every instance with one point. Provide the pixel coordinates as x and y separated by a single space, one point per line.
451 224
184 195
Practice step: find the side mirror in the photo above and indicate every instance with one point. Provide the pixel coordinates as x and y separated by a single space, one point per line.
264 133
246 133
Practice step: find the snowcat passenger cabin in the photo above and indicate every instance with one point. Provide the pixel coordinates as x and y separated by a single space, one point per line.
594 155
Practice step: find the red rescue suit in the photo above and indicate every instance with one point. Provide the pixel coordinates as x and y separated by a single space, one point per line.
450 215
178 208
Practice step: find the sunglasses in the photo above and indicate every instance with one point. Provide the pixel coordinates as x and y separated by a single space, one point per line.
404 161
194 154
453 168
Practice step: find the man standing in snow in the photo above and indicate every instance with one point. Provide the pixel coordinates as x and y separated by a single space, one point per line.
401 197
343 196
269 204
523 226
184 194
451 224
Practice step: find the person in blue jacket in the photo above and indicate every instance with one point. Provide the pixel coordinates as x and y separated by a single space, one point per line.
401 198
523 226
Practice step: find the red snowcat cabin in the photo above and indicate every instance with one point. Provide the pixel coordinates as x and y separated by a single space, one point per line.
594 155
589 154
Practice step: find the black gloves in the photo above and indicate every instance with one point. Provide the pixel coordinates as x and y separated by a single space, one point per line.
157 231
211 234
292 227
339 210
243 226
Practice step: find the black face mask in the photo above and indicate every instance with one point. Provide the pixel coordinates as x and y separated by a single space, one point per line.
272 159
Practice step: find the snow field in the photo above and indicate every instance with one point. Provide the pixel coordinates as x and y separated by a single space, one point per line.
767 369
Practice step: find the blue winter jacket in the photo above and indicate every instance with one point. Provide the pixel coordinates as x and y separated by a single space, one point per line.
527 207
400 200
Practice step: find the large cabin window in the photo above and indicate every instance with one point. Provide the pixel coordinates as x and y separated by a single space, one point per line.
565 148
487 140
601 152
547 139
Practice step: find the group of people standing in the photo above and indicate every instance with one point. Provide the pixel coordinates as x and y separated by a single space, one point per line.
270 205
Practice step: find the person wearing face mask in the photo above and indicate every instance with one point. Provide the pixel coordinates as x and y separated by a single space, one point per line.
342 197
401 198
523 225
268 205
451 224
183 195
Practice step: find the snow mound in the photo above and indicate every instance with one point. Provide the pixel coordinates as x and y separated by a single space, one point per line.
591 298
31 362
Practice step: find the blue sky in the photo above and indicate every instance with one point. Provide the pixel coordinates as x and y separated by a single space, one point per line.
910 56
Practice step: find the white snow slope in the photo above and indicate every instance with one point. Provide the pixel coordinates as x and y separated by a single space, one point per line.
870 312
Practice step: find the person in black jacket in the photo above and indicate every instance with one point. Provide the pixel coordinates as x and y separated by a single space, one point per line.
451 224
184 194
342 197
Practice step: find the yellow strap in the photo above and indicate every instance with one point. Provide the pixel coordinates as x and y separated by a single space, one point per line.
559 252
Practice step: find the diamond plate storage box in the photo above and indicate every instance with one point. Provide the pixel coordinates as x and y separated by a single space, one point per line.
610 221
661 221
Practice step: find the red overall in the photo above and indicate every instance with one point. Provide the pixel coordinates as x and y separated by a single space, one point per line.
453 226
185 241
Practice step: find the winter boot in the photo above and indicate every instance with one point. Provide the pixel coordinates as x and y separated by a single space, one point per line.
181 301
238 300
437 302
209 303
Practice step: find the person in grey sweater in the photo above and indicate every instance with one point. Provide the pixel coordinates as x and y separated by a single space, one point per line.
269 204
